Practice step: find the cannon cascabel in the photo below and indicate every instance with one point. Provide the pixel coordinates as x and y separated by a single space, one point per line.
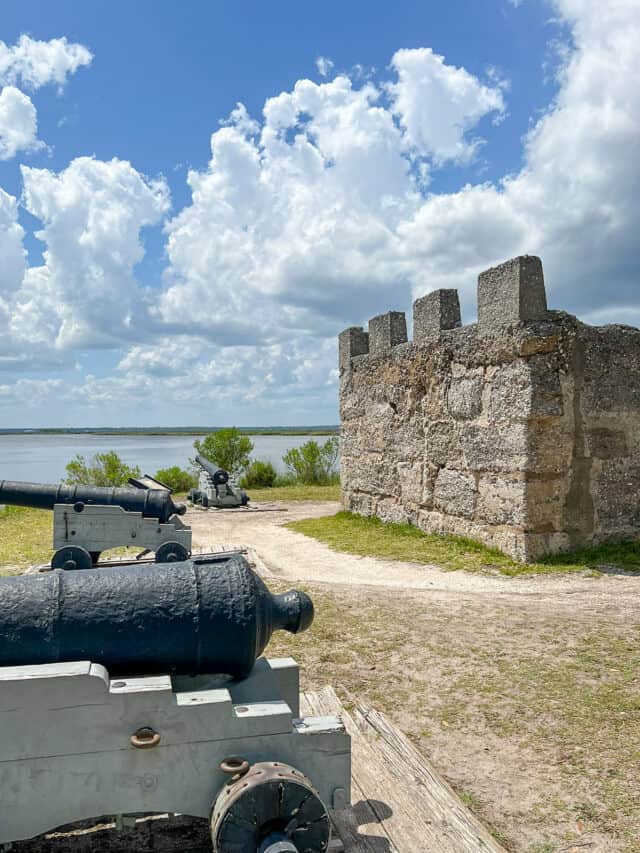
196 616
152 503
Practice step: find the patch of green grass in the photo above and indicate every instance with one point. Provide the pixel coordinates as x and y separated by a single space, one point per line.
371 537
26 537
296 493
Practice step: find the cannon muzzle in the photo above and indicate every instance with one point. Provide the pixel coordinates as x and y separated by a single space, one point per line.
219 475
195 617
152 503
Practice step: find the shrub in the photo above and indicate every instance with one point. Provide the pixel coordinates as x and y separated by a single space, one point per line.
227 448
259 475
313 464
103 469
176 478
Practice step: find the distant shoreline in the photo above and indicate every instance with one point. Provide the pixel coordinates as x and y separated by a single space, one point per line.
179 431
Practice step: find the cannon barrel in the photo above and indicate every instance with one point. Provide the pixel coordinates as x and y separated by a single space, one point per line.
220 476
152 503
197 616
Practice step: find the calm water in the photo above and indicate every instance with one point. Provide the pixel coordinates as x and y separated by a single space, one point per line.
42 458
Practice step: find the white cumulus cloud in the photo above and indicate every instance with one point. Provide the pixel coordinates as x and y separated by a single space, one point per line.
85 294
33 64
18 123
438 103
12 252
314 216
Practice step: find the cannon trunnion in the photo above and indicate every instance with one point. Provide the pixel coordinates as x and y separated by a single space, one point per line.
197 616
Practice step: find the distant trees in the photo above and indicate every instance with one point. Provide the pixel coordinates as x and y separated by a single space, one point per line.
259 475
103 469
177 478
313 464
227 448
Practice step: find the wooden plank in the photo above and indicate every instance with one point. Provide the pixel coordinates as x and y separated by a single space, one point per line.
415 807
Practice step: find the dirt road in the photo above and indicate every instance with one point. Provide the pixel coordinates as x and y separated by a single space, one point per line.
292 556
523 691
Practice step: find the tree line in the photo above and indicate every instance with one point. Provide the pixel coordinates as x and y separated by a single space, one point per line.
313 463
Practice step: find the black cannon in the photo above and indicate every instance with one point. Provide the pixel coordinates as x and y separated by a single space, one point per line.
152 503
216 488
219 476
197 616
88 520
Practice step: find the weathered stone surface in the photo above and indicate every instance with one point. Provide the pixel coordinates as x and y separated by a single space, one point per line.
501 499
410 478
550 446
607 443
442 443
435 312
616 499
495 448
387 331
512 292
392 511
522 432
359 503
544 503
464 397
352 342
525 389
455 493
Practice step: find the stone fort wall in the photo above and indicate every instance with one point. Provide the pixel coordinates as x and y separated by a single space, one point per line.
521 431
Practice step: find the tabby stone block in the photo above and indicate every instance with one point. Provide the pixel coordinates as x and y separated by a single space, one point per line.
512 292
353 341
435 312
387 331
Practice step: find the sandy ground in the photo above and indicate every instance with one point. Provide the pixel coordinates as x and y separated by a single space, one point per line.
488 668
295 557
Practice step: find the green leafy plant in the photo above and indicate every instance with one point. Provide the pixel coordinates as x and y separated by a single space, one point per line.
227 448
103 469
259 475
313 463
176 478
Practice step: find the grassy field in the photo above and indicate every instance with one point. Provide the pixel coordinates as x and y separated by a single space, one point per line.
531 712
296 493
25 537
372 537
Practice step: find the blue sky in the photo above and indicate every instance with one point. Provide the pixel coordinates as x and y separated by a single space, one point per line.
164 74
218 283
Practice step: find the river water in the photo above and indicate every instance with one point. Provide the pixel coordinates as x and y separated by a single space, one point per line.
37 458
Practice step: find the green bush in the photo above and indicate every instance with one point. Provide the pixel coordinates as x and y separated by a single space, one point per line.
103 469
313 464
259 475
176 478
227 448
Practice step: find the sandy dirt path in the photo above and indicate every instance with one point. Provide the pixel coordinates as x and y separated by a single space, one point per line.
295 557
502 681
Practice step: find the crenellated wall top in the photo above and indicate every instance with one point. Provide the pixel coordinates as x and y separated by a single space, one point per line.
509 294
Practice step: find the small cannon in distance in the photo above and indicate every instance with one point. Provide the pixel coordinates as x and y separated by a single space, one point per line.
216 488
204 615
90 519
